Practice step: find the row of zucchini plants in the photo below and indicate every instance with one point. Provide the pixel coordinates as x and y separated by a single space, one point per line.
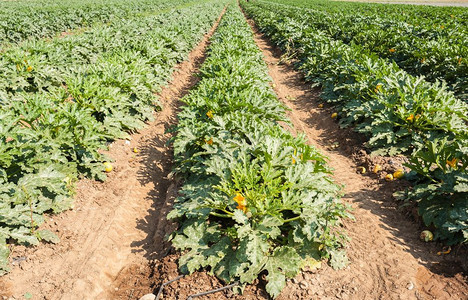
255 200
22 20
437 53
399 113
62 101
427 19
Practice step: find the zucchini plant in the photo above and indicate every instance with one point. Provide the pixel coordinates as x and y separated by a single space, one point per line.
255 200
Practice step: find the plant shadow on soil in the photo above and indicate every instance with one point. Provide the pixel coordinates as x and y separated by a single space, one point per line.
157 157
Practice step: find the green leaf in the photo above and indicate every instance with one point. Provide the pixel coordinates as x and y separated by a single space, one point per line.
4 254
276 283
338 259
48 236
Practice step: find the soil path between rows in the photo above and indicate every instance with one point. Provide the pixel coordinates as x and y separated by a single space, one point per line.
387 259
115 225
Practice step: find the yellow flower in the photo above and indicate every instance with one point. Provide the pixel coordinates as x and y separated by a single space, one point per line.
423 60
241 202
209 142
242 207
240 199
334 115
442 26
459 60
399 174
445 251
410 118
29 68
209 114
377 88
452 162
377 168
391 50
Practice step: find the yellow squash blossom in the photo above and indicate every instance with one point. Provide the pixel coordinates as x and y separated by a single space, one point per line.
377 88
292 156
410 118
242 207
377 168
209 114
210 141
391 50
446 251
399 174
452 162
241 202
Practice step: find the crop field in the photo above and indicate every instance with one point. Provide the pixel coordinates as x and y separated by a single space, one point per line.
221 149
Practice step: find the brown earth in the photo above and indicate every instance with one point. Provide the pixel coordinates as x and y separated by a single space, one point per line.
112 242
114 225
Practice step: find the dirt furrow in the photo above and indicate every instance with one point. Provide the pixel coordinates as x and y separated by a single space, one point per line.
387 259
116 225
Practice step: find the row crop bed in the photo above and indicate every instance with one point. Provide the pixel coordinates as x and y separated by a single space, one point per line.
421 40
255 199
62 101
400 113
28 20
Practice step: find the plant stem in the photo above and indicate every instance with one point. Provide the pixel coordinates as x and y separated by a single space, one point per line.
292 219
219 215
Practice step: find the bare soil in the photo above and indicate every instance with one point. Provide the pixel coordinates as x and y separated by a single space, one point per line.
112 242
